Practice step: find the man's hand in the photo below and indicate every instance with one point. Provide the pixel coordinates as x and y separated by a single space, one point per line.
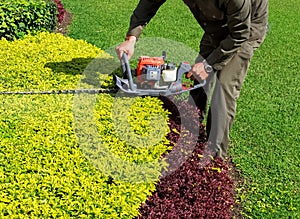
197 72
127 47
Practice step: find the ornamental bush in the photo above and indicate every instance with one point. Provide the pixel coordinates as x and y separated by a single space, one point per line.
19 17
44 62
44 172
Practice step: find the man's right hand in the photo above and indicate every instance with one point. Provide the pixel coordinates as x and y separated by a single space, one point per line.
198 72
127 47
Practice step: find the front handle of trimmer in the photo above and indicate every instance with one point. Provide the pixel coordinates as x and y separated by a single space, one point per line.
127 71
186 68
183 68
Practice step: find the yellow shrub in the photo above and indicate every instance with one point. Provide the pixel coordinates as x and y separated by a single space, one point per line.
44 171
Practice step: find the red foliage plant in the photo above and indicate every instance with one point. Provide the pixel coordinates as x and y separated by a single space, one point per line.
191 192
61 11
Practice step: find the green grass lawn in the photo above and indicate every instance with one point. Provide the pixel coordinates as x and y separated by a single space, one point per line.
105 23
265 137
266 132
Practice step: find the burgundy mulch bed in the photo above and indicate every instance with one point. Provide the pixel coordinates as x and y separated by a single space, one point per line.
191 191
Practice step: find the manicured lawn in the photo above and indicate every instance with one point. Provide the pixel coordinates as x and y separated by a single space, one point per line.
266 132
265 137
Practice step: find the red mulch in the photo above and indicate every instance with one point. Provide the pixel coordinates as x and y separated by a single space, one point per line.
64 18
192 191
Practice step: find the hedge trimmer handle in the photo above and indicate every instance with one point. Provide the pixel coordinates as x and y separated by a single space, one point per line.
127 71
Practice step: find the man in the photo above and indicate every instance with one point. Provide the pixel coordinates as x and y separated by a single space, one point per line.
233 30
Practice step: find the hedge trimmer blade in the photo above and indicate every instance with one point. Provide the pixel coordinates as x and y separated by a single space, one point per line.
71 91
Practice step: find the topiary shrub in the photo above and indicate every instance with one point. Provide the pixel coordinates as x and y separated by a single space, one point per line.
19 17
43 172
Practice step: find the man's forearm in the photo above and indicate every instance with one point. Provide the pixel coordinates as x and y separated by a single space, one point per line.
142 15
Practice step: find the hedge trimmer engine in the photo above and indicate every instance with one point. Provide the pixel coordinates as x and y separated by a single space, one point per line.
154 77
153 72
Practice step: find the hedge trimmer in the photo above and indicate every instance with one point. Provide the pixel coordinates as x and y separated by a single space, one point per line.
152 77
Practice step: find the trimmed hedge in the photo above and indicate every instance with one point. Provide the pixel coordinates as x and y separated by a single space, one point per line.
43 172
19 17
44 62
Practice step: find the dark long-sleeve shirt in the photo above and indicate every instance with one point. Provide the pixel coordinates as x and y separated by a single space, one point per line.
228 23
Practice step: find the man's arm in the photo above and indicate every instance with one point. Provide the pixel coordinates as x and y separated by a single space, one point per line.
238 14
141 16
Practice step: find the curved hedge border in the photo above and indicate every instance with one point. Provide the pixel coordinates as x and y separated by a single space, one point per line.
43 173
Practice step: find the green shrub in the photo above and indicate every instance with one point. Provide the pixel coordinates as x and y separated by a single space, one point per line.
43 172
19 17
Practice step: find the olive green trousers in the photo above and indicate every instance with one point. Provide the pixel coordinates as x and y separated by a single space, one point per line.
223 89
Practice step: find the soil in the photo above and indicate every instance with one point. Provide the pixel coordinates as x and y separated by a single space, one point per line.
62 27
235 174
